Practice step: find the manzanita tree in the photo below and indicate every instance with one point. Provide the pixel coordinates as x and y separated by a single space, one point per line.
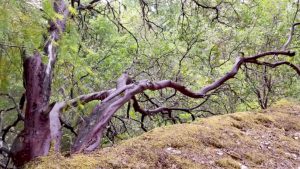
42 122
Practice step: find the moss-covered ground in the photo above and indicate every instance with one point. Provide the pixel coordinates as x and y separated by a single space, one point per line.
265 139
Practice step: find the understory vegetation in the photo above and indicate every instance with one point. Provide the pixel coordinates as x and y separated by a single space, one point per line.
263 139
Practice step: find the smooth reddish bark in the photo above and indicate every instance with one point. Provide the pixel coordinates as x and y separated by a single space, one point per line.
34 140
91 131
40 126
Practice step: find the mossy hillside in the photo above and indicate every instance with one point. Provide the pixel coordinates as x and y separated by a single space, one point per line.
263 139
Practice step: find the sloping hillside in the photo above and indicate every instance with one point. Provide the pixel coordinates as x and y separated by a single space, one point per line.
265 139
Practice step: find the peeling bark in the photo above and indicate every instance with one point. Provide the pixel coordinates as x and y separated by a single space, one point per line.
92 128
91 131
34 140
40 126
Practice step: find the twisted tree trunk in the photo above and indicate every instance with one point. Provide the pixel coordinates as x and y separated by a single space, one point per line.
39 124
91 131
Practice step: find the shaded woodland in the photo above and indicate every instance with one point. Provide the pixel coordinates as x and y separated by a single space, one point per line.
84 74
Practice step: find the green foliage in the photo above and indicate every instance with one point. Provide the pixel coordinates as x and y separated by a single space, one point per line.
189 46
3 75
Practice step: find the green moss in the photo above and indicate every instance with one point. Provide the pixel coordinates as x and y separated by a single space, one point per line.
219 141
55 161
284 102
255 157
228 163
264 119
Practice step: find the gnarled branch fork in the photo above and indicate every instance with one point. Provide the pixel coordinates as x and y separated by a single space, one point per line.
92 129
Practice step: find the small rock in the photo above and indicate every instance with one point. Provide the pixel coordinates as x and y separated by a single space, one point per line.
220 152
244 167
296 135
294 156
172 150
210 162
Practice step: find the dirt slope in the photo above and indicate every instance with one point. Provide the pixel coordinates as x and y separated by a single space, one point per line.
265 139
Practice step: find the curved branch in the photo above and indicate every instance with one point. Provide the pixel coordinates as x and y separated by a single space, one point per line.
290 38
276 64
67 126
216 8
5 150
15 107
91 132
292 29
7 128
8 109
83 99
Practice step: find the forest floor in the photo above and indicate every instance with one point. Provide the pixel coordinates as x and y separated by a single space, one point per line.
264 139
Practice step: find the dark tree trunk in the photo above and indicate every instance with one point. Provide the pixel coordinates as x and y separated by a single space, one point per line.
92 128
41 125
35 139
